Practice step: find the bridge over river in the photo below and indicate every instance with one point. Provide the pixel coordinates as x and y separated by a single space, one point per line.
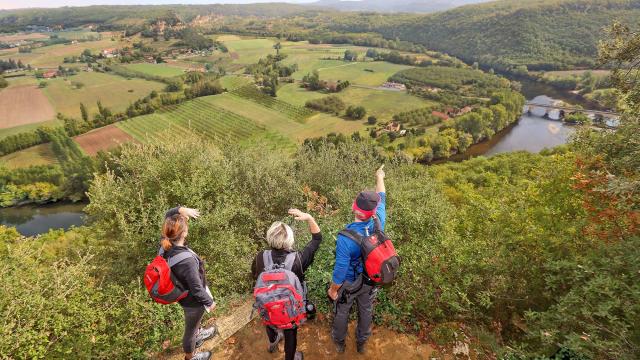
530 106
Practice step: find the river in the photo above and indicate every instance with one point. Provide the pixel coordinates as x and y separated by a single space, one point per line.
32 220
531 133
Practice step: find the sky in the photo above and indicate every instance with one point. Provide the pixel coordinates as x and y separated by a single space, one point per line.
17 4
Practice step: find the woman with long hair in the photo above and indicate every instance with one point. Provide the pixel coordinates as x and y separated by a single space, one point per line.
191 275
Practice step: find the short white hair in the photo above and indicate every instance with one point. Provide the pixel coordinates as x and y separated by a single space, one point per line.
280 236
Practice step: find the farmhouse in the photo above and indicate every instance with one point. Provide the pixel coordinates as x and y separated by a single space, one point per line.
110 52
441 115
392 127
50 74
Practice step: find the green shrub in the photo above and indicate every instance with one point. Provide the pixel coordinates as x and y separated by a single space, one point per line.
56 309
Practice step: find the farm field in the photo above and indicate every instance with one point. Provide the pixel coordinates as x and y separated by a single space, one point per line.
381 103
113 91
367 73
203 118
24 105
22 36
296 95
35 155
162 70
29 127
249 51
314 126
231 82
52 56
250 92
105 138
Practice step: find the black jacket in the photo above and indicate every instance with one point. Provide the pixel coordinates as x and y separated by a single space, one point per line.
191 275
304 258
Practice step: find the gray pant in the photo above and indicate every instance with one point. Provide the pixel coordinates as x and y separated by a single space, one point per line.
192 319
363 295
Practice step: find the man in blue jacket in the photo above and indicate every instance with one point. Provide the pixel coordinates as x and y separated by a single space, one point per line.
349 284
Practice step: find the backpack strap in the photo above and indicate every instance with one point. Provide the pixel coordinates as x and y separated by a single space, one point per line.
289 260
174 260
267 259
353 235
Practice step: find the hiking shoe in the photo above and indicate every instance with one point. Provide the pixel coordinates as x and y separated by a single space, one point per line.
361 348
273 346
340 346
298 356
205 355
205 334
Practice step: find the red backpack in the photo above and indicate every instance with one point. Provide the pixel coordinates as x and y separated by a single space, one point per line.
381 261
161 284
279 295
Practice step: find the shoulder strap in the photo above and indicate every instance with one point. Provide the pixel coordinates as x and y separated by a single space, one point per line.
290 259
174 260
351 234
267 259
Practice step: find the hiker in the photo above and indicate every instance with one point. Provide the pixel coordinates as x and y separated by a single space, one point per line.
191 275
280 239
349 283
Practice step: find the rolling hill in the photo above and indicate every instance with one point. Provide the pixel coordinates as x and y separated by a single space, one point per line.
416 6
541 34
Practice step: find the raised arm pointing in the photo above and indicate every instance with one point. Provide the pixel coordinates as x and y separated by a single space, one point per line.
380 180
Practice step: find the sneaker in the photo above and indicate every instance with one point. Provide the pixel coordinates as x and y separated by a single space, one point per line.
361 348
205 355
298 356
273 346
205 334
340 347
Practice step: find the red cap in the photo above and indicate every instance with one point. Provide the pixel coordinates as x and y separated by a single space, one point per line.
366 204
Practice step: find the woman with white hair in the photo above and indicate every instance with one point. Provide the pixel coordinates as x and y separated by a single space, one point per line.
280 239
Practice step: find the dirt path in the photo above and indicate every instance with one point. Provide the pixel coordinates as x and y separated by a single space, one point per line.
227 325
242 339
314 340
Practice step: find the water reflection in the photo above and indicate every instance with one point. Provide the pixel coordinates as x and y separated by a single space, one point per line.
33 220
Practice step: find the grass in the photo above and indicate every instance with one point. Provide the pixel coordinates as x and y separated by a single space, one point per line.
276 121
232 83
363 73
250 50
35 155
52 56
113 91
203 118
250 92
296 95
156 69
381 103
29 127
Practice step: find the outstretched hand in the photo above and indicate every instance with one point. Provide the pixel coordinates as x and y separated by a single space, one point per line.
189 213
299 215
380 172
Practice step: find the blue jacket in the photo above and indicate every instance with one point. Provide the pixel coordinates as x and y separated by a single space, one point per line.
348 256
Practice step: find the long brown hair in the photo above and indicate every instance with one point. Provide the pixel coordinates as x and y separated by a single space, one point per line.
172 230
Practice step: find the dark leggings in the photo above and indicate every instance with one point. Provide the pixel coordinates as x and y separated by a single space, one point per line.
192 318
290 341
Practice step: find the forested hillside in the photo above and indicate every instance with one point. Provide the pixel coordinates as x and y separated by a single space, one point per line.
541 34
121 17
505 35
418 6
